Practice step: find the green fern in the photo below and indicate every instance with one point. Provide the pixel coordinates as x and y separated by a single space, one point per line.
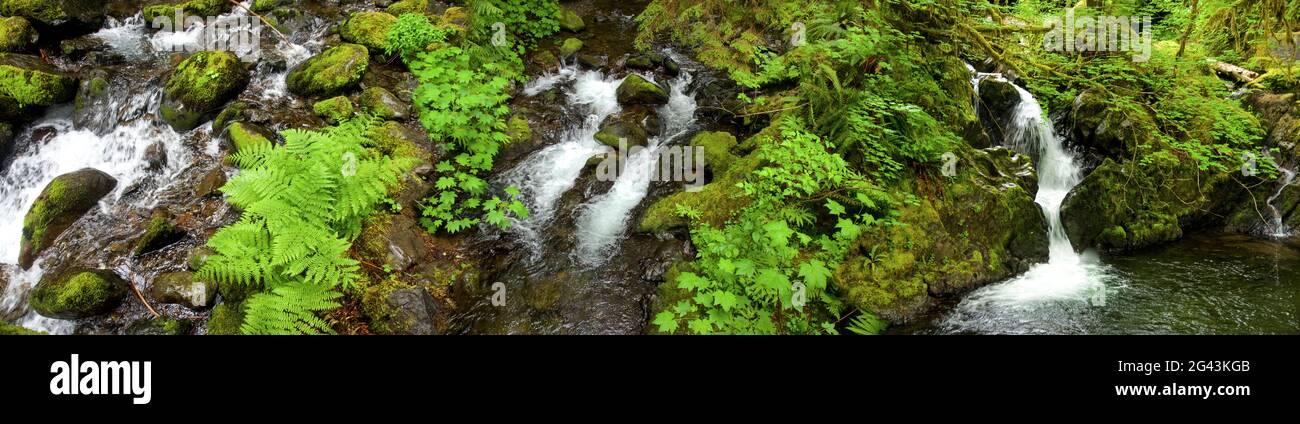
303 203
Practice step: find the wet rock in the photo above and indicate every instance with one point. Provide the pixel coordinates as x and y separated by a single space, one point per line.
266 5
199 86
155 156
334 110
330 73
16 34
571 21
591 60
627 126
211 183
383 104
198 257
395 140
92 108
82 14
635 90
407 310
166 12
392 241
76 48
997 108
244 136
27 85
183 289
77 293
236 111
1103 131
570 47
6 140
160 232
369 29
159 327
60 204
226 318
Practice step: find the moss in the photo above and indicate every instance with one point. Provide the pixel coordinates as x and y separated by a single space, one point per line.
93 88
375 307
518 129
570 21
717 149
77 294
715 201
334 109
7 329
330 73
265 5
408 6
16 34
61 203
158 234
162 326
28 81
199 256
570 47
1150 201
636 90
46 11
1115 236
236 111
382 103
369 29
205 80
166 12
395 140
226 319
244 136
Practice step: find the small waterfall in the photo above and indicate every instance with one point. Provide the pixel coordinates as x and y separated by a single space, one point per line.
547 174
1279 228
604 219
1014 306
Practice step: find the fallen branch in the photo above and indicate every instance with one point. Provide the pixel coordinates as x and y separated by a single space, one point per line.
145 302
263 19
1234 72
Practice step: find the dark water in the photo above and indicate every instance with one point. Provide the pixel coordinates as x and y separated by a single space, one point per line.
1204 284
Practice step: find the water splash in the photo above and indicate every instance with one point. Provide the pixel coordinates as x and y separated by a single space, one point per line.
1279 228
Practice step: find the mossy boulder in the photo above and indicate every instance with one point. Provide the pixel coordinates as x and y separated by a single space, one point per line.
977 227
570 47
266 5
159 327
7 329
226 319
392 307
165 13
383 104
1104 131
16 34
92 107
235 111
83 13
330 73
80 47
408 6
636 90
518 129
243 135
334 109
571 21
183 288
64 200
369 29
997 107
628 125
717 149
715 201
159 232
210 183
27 84
77 293
392 241
199 256
395 140
199 86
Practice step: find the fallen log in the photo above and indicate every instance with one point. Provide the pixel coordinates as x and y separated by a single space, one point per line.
1233 72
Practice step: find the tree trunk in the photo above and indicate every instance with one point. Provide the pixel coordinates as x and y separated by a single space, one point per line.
1234 72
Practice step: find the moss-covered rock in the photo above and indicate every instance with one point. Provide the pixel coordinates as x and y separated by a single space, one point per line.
334 109
235 111
199 256
518 130
408 6
64 200
266 5
396 140
330 73
392 307
382 103
77 293
392 241
243 136
16 34
715 201
211 183
28 84
226 319
165 13
183 288
571 21
369 29
717 149
978 227
570 47
1101 129
162 326
7 329
627 125
635 90
85 13
92 107
199 86
159 232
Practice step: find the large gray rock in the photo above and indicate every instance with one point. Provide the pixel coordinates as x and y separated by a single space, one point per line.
182 288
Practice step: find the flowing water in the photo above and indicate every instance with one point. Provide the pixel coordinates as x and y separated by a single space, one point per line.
115 137
1279 229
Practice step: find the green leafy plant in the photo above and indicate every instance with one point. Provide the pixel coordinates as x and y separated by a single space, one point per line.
303 203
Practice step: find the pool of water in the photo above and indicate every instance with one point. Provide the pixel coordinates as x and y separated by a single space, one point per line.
1204 284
